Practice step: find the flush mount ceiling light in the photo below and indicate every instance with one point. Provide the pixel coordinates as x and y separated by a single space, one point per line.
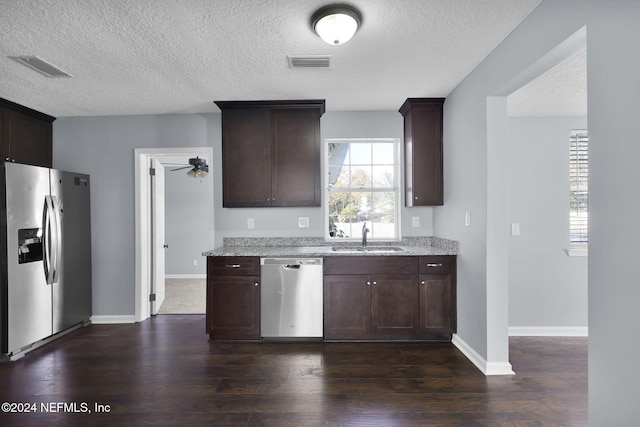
336 23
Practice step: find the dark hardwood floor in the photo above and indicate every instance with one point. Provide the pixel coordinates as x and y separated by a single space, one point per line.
164 372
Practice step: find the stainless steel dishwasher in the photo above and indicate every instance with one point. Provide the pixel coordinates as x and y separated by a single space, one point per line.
291 298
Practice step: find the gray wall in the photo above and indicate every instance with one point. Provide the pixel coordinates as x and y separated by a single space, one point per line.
614 290
104 148
186 222
546 287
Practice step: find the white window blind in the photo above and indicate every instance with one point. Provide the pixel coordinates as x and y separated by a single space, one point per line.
579 188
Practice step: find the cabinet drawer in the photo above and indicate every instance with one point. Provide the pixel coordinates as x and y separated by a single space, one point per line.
370 265
436 264
233 266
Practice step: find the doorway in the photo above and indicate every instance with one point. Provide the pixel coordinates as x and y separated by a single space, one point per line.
498 221
147 278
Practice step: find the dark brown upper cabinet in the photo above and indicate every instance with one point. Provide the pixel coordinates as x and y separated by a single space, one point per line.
423 151
25 135
271 153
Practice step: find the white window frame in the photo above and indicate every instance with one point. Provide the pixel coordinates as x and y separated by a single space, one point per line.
578 247
396 188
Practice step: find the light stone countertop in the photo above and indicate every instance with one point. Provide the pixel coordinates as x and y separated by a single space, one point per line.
318 247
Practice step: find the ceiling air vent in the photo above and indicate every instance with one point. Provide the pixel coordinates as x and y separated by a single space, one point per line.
309 61
41 66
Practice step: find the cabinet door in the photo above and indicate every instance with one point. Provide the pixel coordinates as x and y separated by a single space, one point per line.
233 307
26 139
435 304
394 306
246 167
295 157
423 152
347 307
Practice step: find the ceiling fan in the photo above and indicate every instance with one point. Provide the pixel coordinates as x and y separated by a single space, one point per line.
199 167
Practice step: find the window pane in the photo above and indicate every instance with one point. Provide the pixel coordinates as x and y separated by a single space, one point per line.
383 153
337 158
360 177
383 176
360 153
382 215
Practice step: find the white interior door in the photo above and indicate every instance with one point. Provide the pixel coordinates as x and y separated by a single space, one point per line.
157 236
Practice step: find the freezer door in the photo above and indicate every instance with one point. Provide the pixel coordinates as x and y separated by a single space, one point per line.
72 291
28 296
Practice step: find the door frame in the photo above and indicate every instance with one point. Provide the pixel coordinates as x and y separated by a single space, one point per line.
143 211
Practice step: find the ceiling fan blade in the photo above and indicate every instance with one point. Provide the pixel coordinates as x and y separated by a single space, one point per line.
179 169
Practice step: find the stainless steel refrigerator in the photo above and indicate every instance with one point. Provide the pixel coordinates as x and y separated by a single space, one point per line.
45 254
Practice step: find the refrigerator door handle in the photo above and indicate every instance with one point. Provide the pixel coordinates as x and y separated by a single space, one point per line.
46 244
57 238
51 242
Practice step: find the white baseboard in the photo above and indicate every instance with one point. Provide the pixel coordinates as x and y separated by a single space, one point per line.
548 331
112 320
487 368
185 276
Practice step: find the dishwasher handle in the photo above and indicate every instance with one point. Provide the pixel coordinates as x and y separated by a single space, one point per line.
291 263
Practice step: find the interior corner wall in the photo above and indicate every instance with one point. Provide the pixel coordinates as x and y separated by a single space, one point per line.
613 85
538 180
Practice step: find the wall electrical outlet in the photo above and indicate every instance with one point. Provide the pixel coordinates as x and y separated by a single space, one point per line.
515 229
415 221
251 224
303 222
195 262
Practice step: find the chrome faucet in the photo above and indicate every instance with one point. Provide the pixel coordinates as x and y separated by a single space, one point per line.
365 230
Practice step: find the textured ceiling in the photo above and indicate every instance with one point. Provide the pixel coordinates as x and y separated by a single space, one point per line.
561 91
178 56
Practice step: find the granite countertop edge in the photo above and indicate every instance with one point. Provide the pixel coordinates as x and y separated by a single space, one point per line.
318 247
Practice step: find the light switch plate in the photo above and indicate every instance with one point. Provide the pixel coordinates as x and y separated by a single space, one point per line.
251 224
467 219
415 221
303 222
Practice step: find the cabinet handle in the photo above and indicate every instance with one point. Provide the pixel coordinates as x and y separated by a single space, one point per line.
255 284
415 198
232 265
422 283
434 265
368 283
374 283
268 199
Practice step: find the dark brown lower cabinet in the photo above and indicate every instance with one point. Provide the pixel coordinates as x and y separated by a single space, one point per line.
400 305
365 298
438 297
233 298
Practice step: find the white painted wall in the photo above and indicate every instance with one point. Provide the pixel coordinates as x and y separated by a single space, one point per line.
547 288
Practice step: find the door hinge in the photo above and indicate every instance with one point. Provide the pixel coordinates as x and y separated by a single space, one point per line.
152 297
152 171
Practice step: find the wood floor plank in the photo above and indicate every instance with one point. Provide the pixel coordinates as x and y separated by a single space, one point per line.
164 371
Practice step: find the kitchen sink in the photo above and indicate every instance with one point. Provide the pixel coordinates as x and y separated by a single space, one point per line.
366 249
